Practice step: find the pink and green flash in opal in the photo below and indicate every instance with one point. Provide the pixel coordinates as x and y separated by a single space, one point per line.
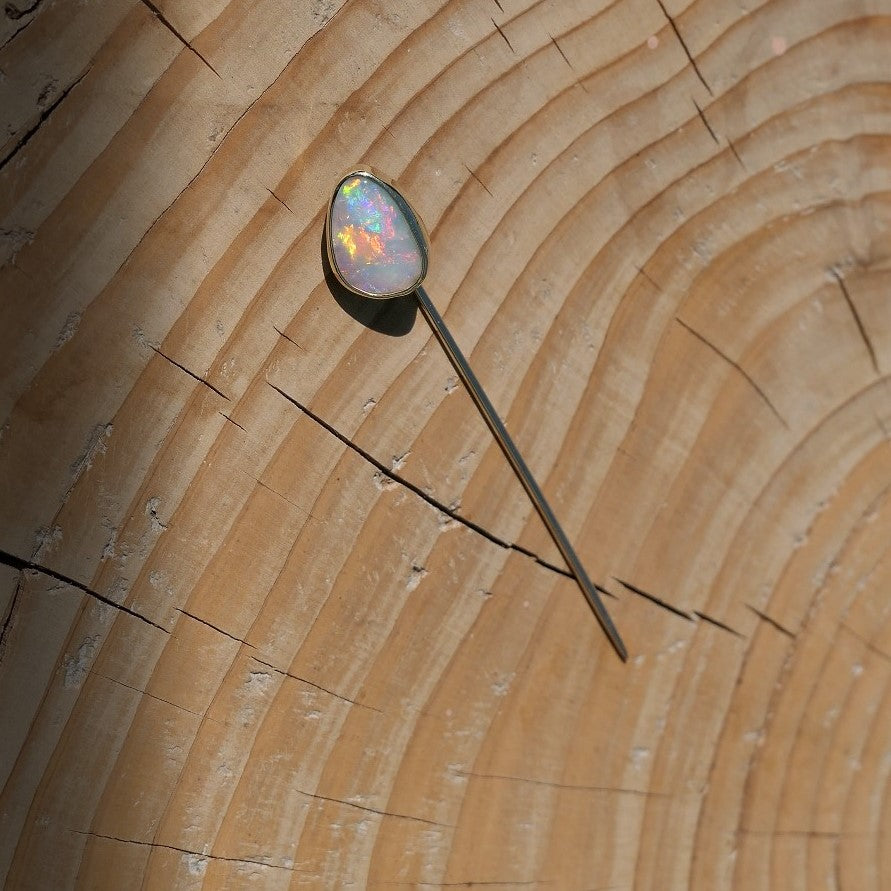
374 247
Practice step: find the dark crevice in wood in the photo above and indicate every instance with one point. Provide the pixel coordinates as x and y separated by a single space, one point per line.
43 118
772 622
18 563
857 319
477 179
677 32
578 82
319 687
578 787
191 374
285 206
649 278
560 50
269 665
501 32
374 810
120 683
470 883
181 192
718 624
737 155
868 644
13 12
233 422
653 599
15 34
690 617
738 367
10 615
417 490
801 833
216 628
199 854
284 498
253 104
391 134
603 591
169 26
704 120
290 339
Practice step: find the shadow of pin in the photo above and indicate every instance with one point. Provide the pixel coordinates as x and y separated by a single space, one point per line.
393 316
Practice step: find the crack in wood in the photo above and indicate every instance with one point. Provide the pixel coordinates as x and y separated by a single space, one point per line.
718 624
704 120
284 498
578 82
16 33
560 50
833 271
683 43
290 339
501 32
801 833
653 599
10 615
21 565
772 622
573 787
470 883
285 206
737 155
390 133
231 421
417 490
276 669
199 854
13 12
690 617
374 810
170 27
478 179
738 367
44 115
867 643
649 278
141 692
251 106
192 375
216 628
295 677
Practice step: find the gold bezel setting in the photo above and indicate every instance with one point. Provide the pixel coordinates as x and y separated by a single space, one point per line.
414 224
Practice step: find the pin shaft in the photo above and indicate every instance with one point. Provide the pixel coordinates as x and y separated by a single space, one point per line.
456 357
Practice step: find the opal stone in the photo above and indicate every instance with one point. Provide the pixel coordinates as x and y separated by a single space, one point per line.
374 246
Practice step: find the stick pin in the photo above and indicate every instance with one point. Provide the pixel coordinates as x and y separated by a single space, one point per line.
377 248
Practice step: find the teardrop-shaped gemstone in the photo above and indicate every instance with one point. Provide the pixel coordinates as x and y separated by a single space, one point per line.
374 246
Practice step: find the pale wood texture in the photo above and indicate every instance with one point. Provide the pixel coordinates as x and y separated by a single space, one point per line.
237 652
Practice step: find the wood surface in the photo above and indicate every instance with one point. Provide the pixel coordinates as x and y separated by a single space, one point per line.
269 615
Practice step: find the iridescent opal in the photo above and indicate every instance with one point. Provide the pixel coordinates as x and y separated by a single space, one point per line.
373 244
